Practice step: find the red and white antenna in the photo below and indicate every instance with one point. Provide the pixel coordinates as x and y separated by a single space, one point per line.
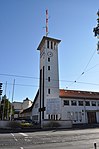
46 22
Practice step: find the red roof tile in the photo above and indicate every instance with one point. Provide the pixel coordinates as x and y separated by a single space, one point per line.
78 94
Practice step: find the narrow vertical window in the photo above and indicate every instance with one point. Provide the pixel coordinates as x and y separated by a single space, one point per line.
48 67
56 117
48 59
54 46
49 116
51 45
47 44
49 91
48 79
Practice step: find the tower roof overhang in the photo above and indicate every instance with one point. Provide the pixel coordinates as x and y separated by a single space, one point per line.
47 38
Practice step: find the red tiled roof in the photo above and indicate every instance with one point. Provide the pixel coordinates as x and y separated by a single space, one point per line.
78 94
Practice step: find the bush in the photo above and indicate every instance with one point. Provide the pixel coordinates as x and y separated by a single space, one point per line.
27 125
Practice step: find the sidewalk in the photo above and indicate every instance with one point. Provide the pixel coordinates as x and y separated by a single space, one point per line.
18 129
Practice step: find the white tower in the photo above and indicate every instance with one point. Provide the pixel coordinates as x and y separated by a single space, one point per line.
49 79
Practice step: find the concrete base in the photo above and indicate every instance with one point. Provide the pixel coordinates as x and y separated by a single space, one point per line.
9 124
56 124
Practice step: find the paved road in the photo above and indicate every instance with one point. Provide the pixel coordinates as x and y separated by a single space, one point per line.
60 139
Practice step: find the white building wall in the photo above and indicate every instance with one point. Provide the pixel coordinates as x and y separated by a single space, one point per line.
17 105
26 104
78 114
35 110
53 72
97 116
74 113
52 85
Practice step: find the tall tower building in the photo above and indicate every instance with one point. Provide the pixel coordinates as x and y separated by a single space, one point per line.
49 79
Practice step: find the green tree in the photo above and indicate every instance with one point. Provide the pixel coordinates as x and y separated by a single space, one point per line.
5 108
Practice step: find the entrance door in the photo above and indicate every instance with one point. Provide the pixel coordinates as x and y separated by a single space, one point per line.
91 117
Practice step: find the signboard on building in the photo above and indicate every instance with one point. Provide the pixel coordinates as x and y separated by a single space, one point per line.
53 106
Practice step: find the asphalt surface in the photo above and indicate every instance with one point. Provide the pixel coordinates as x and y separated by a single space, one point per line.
60 139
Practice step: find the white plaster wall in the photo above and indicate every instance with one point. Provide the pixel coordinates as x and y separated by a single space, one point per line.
35 109
77 108
26 104
17 105
97 116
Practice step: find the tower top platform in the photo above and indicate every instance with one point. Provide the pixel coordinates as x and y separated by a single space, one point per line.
47 38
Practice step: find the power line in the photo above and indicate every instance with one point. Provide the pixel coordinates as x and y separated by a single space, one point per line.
69 81
19 76
30 77
91 68
84 69
89 60
29 85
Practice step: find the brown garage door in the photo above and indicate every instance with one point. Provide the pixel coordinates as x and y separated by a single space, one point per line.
91 117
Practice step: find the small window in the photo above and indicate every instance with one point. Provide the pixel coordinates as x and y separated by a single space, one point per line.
80 116
48 67
54 46
56 117
49 116
48 79
87 103
73 103
80 103
51 45
49 91
93 103
47 44
66 102
48 59
76 116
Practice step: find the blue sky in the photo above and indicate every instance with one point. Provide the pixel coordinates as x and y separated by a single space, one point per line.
22 25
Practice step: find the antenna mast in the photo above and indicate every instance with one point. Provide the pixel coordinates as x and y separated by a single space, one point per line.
46 22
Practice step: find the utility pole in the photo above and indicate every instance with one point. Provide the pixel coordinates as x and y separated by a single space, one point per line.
0 95
12 100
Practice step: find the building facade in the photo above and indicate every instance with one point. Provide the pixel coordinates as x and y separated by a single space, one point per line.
52 103
20 106
82 107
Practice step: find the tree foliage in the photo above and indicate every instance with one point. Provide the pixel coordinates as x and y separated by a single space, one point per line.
5 108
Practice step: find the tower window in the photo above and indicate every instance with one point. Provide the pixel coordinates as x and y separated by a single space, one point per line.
48 67
49 91
48 44
54 46
48 79
48 59
51 45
